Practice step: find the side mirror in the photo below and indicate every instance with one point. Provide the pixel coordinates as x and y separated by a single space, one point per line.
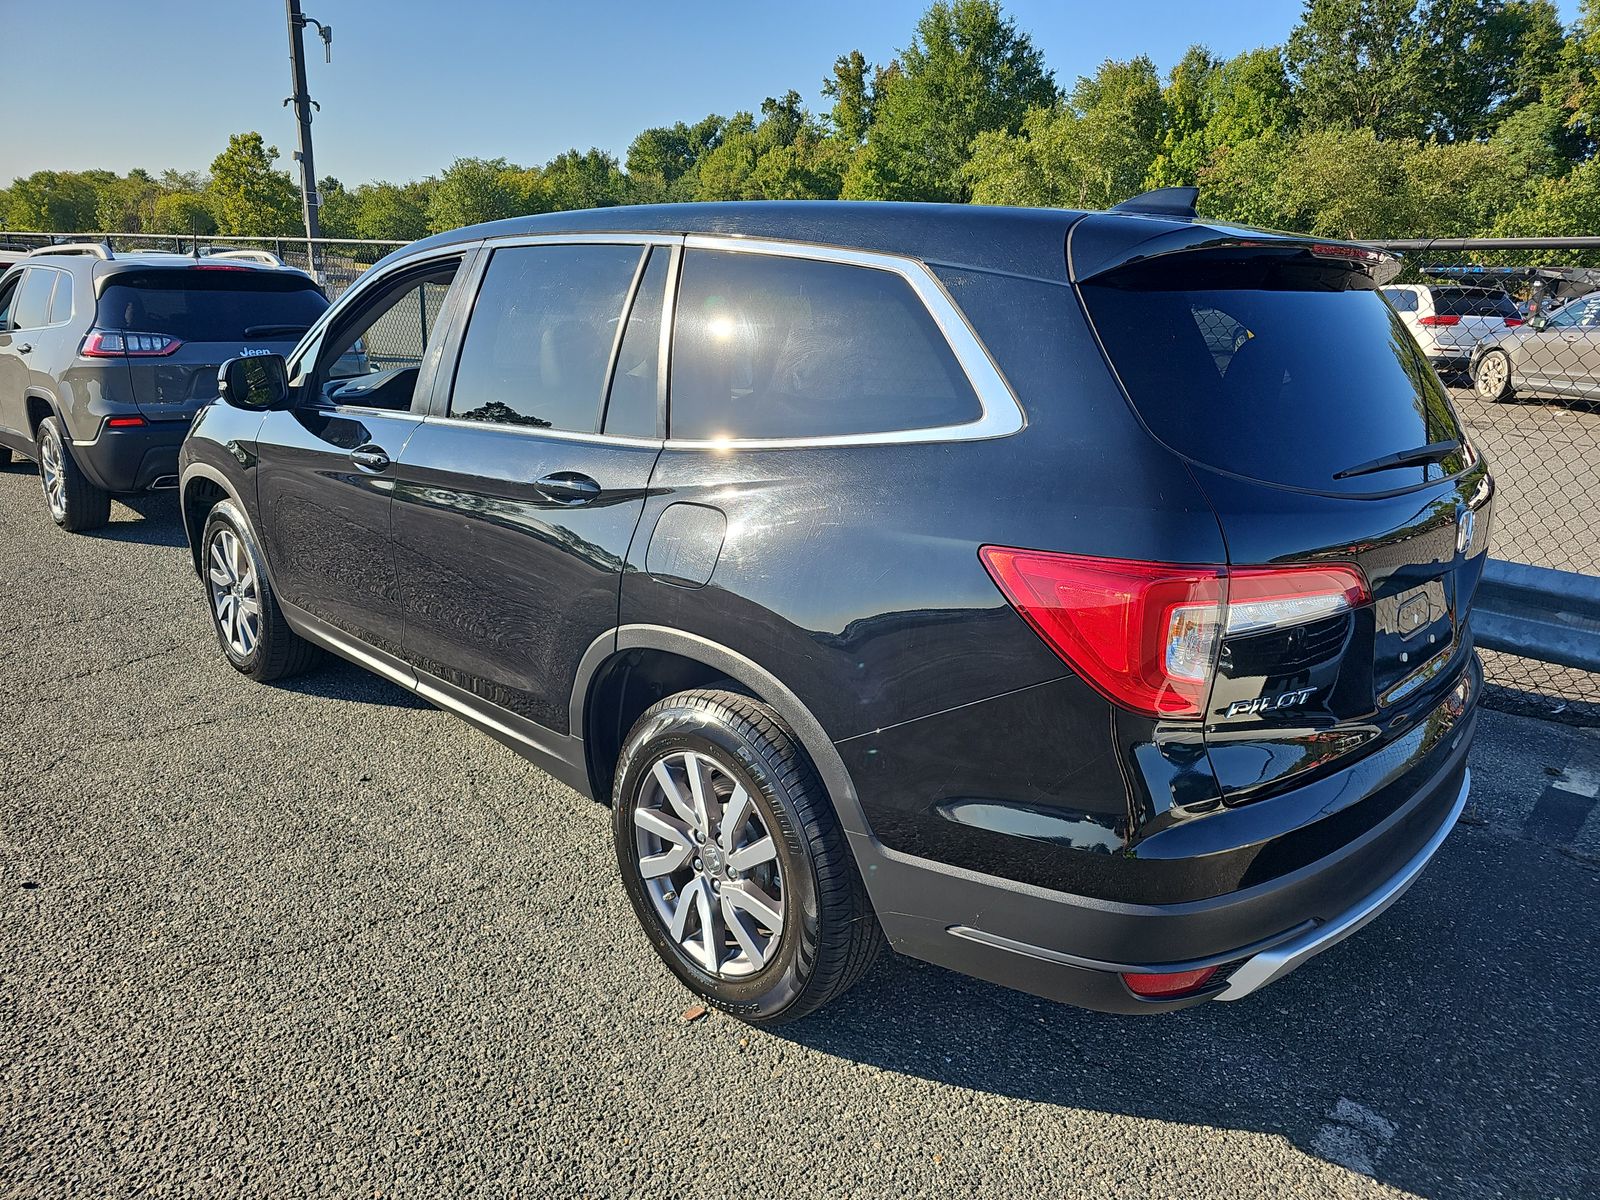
1538 322
257 381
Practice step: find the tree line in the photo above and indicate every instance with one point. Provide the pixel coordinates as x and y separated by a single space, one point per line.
1374 118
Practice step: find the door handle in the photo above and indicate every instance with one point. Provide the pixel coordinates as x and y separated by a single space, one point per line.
568 487
25 348
369 458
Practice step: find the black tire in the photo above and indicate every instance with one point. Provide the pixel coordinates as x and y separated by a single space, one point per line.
74 503
829 936
260 645
1491 380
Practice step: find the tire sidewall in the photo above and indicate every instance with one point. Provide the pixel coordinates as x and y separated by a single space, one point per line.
50 430
678 726
224 515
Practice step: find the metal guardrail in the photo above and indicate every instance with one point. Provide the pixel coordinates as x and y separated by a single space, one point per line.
1538 612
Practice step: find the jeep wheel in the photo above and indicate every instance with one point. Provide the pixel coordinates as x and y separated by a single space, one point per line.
734 859
75 504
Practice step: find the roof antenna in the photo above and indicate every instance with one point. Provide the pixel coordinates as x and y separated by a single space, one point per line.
1162 202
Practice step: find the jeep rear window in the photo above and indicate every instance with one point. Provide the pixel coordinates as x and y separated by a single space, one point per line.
1281 374
1473 302
209 304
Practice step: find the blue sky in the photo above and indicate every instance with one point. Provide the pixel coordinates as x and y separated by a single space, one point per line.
414 85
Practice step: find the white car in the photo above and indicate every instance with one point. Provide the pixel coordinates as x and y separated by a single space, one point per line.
1449 321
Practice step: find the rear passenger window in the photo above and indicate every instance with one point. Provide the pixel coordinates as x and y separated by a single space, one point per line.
767 346
631 406
32 307
540 337
61 299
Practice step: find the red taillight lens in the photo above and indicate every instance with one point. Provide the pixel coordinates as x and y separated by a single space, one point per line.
114 343
1440 319
124 422
1168 987
1145 635
1513 322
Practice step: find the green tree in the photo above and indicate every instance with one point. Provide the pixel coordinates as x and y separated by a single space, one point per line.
660 157
856 87
182 212
1248 96
786 155
1361 63
391 211
1241 182
477 189
125 205
247 195
1091 152
52 202
1186 121
968 70
1568 206
577 179
1459 189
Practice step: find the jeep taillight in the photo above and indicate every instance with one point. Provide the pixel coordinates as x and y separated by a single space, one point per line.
115 343
1146 634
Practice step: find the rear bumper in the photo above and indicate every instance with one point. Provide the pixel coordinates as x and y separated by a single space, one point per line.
1073 948
133 460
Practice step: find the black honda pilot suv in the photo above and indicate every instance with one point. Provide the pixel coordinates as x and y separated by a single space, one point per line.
106 357
1075 600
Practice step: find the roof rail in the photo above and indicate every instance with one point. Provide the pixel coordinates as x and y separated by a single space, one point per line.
265 257
98 249
1162 202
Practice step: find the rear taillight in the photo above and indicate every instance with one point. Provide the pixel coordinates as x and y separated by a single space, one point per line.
1440 319
114 343
1145 635
124 422
1513 322
1170 986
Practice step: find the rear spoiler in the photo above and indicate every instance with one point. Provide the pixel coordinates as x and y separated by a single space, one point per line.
1103 243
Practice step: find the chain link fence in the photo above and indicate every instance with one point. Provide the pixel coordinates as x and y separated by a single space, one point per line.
1512 326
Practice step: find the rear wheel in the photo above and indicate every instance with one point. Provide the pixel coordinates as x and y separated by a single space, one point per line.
75 504
250 627
1491 378
734 860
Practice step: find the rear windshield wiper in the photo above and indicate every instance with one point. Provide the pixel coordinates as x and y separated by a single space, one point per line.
1421 455
268 330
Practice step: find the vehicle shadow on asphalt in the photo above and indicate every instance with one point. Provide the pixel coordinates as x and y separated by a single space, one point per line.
335 679
1426 1052
158 523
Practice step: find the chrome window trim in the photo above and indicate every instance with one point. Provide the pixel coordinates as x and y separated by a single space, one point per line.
1001 414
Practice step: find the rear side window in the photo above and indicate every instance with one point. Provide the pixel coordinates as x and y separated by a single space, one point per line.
211 304
767 346
1403 299
1473 302
539 340
61 299
1274 383
31 309
631 406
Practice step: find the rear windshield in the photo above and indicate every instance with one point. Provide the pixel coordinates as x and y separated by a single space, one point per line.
1469 302
1277 384
208 304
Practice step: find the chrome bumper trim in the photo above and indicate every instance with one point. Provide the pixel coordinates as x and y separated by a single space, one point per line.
1261 969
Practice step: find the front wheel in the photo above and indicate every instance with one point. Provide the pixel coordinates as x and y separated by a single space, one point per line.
250 627
75 504
734 860
1491 378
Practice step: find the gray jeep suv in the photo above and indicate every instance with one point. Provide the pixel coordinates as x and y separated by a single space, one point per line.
105 358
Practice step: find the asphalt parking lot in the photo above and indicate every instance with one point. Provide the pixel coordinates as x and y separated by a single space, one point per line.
319 939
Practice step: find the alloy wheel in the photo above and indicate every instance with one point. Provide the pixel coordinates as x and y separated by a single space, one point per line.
53 475
235 598
1491 376
709 865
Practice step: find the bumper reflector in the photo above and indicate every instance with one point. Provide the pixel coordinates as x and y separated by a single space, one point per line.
1168 987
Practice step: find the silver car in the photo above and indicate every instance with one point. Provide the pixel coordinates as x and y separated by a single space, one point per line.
1555 355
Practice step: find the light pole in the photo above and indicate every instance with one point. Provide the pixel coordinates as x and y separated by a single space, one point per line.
303 104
